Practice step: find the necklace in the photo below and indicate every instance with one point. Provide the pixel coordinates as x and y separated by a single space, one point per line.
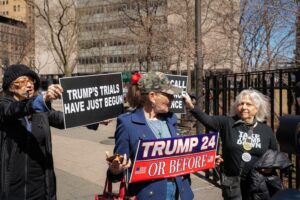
247 145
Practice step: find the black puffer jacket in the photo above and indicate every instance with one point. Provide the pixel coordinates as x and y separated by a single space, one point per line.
26 156
264 186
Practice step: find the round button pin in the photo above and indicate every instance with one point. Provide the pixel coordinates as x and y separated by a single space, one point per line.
246 157
247 146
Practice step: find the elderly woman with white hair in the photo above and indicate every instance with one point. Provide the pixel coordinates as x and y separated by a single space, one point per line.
245 138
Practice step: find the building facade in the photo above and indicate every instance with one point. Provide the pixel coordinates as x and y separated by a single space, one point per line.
107 42
11 41
121 35
19 10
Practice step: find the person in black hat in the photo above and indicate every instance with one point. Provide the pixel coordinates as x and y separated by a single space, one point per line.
26 162
26 170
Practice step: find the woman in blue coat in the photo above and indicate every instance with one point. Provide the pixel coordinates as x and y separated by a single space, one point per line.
151 97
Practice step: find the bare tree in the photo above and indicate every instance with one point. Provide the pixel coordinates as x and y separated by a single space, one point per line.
57 19
267 28
219 34
145 21
180 37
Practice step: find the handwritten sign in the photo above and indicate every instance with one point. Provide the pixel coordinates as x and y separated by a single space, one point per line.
90 99
171 157
177 105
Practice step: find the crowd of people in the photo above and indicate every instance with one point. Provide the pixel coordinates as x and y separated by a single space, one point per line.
27 172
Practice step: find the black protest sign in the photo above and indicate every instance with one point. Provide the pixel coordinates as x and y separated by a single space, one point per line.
177 105
91 99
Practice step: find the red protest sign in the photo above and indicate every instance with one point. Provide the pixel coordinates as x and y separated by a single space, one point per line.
167 158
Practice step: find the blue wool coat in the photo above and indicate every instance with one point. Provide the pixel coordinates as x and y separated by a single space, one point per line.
130 128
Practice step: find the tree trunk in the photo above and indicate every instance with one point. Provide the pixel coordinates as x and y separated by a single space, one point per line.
68 71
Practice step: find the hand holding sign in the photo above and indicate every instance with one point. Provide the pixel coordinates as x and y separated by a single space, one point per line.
117 163
53 92
188 101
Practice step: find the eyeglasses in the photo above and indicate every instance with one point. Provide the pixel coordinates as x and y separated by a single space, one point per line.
20 82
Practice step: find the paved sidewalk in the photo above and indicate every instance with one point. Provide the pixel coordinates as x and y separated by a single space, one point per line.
79 160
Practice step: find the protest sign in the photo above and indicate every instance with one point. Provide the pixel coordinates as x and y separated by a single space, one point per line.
90 99
171 157
177 105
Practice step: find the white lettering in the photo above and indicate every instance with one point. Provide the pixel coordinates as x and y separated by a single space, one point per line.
146 146
176 104
170 147
181 148
157 169
82 93
182 164
158 148
112 101
74 107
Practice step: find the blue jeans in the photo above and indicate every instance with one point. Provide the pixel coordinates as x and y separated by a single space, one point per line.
171 190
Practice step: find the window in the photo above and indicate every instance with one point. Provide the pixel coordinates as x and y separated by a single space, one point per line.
15 8
19 8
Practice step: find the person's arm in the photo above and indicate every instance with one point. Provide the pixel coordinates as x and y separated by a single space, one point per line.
39 105
56 119
121 138
212 122
11 110
116 168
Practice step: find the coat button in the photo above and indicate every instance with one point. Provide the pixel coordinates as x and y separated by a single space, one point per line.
151 193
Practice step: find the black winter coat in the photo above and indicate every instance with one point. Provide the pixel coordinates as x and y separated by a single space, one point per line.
13 146
264 186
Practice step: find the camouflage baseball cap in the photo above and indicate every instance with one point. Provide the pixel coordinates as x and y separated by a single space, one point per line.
157 82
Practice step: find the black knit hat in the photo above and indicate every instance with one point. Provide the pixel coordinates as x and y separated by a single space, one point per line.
13 72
